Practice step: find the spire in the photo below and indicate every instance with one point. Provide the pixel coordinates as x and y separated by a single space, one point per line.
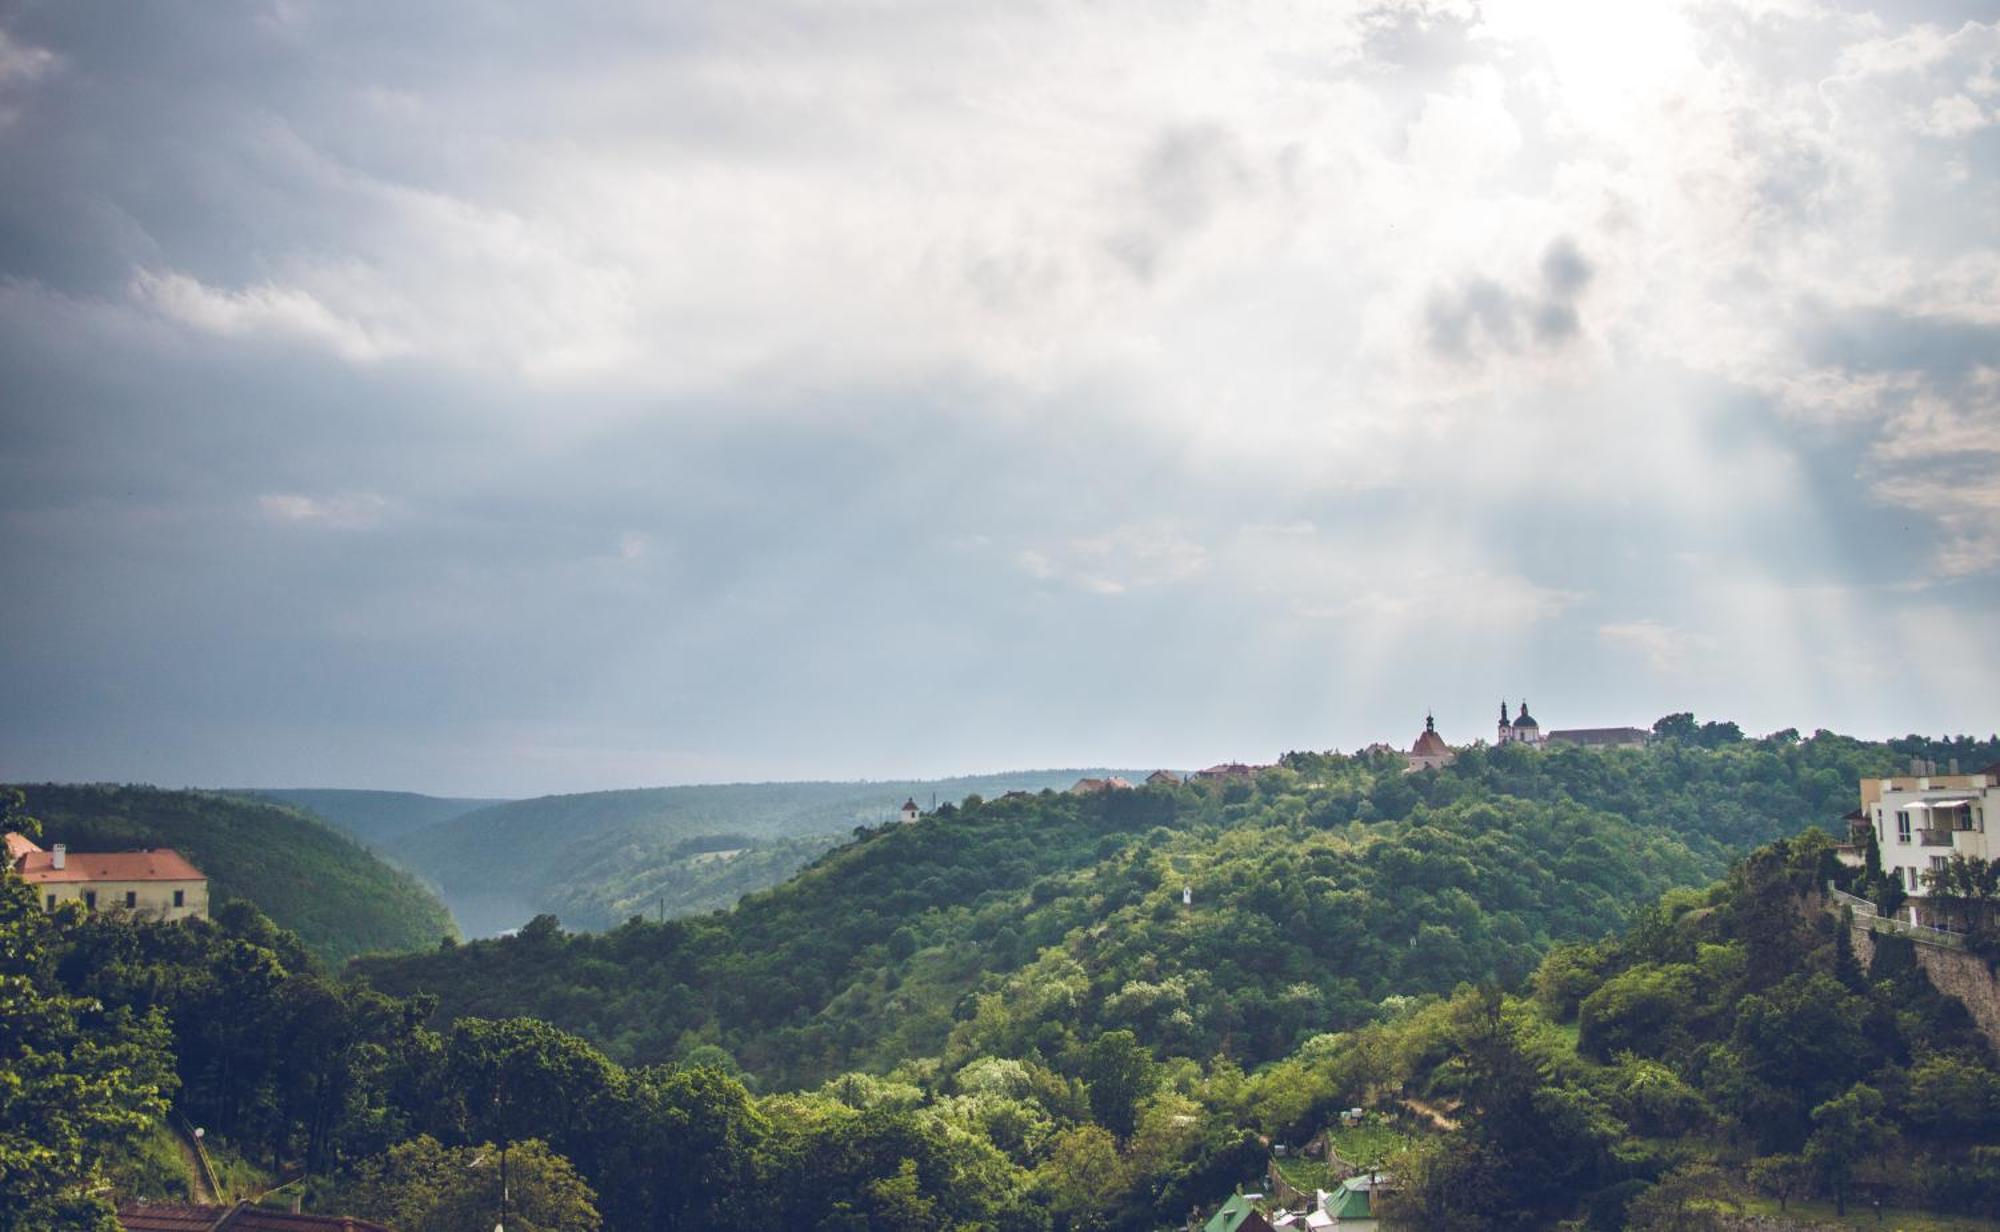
1503 712
1430 724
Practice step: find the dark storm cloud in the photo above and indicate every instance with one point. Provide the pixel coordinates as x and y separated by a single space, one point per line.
500 398
1483 313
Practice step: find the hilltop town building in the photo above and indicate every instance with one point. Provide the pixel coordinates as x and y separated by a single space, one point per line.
1523 729
1600 737
909 812
1922 819
1091 787
1430 751
1227 772
153 884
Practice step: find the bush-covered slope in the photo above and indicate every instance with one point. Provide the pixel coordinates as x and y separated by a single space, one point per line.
375 817
337 895
597 857
1327 885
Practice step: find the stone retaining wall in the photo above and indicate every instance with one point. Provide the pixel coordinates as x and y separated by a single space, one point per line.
1956 973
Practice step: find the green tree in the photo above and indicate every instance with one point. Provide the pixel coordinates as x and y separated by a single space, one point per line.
1846 1130
77 1080
1081 1179
420 1186
1780 1176
1120 1073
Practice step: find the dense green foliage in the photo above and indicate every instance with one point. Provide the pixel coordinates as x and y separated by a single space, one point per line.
691 877
377 818
1059 1042
1013 924
337 895
598 857
79 1080
422 1186
1728 1039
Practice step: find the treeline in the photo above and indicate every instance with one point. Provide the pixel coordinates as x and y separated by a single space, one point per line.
1007 1016
1328 883
232 1021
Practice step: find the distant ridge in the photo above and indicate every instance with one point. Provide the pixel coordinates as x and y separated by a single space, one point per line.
594 857
374 817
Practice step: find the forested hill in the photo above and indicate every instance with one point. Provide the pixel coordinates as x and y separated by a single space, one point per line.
339 897
1328 884
596 858
375 817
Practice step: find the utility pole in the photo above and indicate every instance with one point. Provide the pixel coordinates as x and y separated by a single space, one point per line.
502 1225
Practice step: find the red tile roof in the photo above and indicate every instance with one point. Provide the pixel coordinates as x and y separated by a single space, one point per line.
182 1217
1429 744
168 1217
159 864
19 845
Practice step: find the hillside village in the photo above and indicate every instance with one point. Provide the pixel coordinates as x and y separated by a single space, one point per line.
1911 857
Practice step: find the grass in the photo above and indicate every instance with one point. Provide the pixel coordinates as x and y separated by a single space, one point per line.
150 1167
238 1176
1861 1215
1305 1174
1369 1143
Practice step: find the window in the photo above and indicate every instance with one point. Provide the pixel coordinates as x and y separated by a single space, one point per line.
52 902
90 900
131 899
180 898
1910 876
1902 826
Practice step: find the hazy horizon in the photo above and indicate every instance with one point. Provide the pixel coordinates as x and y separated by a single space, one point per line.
504 402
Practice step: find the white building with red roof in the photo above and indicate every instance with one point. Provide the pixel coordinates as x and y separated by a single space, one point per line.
156 883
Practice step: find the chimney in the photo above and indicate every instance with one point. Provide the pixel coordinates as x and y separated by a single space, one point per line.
60 856
1951 767
1916 766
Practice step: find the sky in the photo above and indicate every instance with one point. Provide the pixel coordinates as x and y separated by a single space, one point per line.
502 399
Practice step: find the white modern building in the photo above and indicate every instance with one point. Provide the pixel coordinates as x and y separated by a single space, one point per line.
1922 819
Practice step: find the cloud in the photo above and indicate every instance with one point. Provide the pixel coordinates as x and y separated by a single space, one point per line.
1483 311
730 361
268 310
1120 560
347 511
1665 649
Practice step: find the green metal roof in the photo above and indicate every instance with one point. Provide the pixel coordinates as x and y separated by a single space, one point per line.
1231 1216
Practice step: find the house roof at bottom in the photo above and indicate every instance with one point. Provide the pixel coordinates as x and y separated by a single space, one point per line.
1239 1214
243 1217
159 864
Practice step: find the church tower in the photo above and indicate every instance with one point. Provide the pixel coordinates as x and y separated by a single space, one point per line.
1525 729
1506 728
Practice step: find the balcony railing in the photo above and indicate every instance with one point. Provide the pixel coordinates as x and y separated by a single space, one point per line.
1866 916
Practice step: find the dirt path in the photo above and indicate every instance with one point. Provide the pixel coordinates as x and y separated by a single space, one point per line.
199 1190
1430 1113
